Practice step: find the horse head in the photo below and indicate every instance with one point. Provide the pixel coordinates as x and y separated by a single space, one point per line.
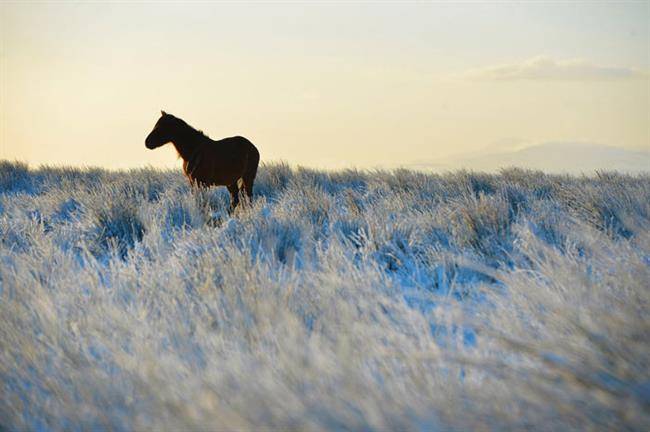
163 132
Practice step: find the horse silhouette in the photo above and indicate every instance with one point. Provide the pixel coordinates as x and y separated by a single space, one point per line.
207 162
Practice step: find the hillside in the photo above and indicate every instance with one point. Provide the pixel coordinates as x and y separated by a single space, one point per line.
344 300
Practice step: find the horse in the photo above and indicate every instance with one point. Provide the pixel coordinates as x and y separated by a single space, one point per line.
207 162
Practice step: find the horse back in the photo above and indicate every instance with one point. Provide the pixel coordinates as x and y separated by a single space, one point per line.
234 150
221 162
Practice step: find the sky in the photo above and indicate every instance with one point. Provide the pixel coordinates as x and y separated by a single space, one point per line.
325 85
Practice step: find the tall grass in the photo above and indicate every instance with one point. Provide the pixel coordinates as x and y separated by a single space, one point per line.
345 300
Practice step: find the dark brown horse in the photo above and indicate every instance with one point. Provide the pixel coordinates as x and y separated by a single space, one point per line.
207 162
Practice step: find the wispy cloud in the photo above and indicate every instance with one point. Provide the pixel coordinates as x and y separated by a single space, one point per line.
547 68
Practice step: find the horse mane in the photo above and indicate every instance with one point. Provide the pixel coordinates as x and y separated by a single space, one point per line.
190 129
190 136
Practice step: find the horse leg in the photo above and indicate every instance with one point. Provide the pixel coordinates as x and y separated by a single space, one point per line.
251 171
248 187
234 196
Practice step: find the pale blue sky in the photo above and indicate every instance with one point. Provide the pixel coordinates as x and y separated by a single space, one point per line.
328 84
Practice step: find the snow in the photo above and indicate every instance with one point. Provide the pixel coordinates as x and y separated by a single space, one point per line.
335 300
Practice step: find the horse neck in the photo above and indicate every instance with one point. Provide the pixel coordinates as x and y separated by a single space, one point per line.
187 143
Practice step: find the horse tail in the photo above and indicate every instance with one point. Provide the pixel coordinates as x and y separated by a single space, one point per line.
251 170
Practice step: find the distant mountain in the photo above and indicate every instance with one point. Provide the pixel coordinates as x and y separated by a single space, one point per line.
557 157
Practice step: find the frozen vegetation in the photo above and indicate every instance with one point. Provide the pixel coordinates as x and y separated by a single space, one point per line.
336 301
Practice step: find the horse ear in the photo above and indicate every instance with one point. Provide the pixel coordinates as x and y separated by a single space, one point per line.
163 112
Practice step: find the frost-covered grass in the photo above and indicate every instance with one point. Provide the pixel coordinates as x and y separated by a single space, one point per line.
347 301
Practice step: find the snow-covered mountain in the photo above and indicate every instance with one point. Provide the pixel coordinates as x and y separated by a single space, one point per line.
556 157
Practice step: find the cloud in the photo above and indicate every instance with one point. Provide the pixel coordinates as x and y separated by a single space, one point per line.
547 68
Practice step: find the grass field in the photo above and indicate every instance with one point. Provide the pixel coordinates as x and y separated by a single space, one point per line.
341 300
